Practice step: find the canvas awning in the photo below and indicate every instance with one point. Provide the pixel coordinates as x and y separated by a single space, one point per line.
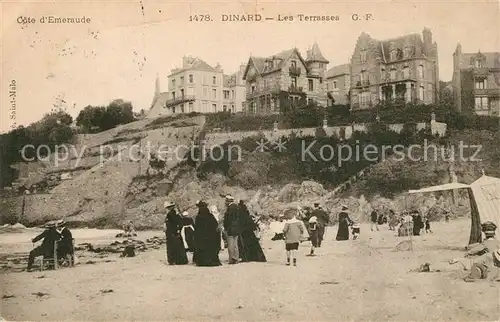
484 197
443 187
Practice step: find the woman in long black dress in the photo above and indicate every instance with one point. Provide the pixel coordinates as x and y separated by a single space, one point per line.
248 243
176 254
206 237
344 223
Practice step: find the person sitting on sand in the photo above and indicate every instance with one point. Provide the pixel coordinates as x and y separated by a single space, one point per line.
50 236
488 244
129 230
485 266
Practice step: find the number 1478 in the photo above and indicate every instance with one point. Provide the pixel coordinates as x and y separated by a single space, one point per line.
200 18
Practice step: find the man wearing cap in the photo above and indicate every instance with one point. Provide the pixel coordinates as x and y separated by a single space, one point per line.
50 236
322 221
232 229
489 244
176 254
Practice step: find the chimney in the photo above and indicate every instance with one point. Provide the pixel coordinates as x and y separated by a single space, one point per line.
427 37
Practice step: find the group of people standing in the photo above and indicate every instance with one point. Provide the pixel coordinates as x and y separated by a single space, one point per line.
409 223
205 234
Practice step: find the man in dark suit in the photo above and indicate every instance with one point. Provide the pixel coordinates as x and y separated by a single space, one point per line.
232 229
322 221
65 245
46 249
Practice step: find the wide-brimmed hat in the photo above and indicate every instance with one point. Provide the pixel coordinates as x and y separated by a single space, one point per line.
168 204
344 207
229 198
313 219
50 224
185 214
61 222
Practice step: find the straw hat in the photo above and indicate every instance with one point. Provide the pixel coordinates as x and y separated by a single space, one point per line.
229 198
344 207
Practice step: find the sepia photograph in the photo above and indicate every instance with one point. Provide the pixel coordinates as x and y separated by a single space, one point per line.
250 160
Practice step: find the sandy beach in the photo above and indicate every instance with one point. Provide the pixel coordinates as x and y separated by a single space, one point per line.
364 279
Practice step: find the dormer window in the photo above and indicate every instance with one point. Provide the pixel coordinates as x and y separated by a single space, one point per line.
407 52
394 55
478 63
294 64
362 55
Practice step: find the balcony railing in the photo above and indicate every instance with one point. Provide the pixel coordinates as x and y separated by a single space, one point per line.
269 89
179 100
294 71
495 92
295 89
480 71
363 83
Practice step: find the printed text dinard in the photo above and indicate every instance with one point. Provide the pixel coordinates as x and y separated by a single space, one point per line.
279 17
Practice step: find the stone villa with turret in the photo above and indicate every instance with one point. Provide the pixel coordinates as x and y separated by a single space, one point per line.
285 80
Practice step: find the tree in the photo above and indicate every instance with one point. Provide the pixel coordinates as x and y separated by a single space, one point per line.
101 118
446 94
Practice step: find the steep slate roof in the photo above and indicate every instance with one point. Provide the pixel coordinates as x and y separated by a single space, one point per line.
315 55
338 71
492 59
195 63
260 62
400 42
382 48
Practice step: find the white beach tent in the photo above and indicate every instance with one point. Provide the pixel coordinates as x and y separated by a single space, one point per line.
484 196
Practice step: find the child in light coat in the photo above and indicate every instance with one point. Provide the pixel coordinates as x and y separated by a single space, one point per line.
293 232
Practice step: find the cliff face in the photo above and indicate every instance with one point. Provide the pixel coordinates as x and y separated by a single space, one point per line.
94 189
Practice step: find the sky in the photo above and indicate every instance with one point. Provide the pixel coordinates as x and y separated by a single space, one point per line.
127 44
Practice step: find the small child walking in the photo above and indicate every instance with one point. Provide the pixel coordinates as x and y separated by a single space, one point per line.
292 231
427 226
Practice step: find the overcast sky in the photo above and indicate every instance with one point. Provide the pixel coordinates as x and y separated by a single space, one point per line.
119 53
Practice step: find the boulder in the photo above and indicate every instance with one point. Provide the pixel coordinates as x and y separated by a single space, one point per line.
289 193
